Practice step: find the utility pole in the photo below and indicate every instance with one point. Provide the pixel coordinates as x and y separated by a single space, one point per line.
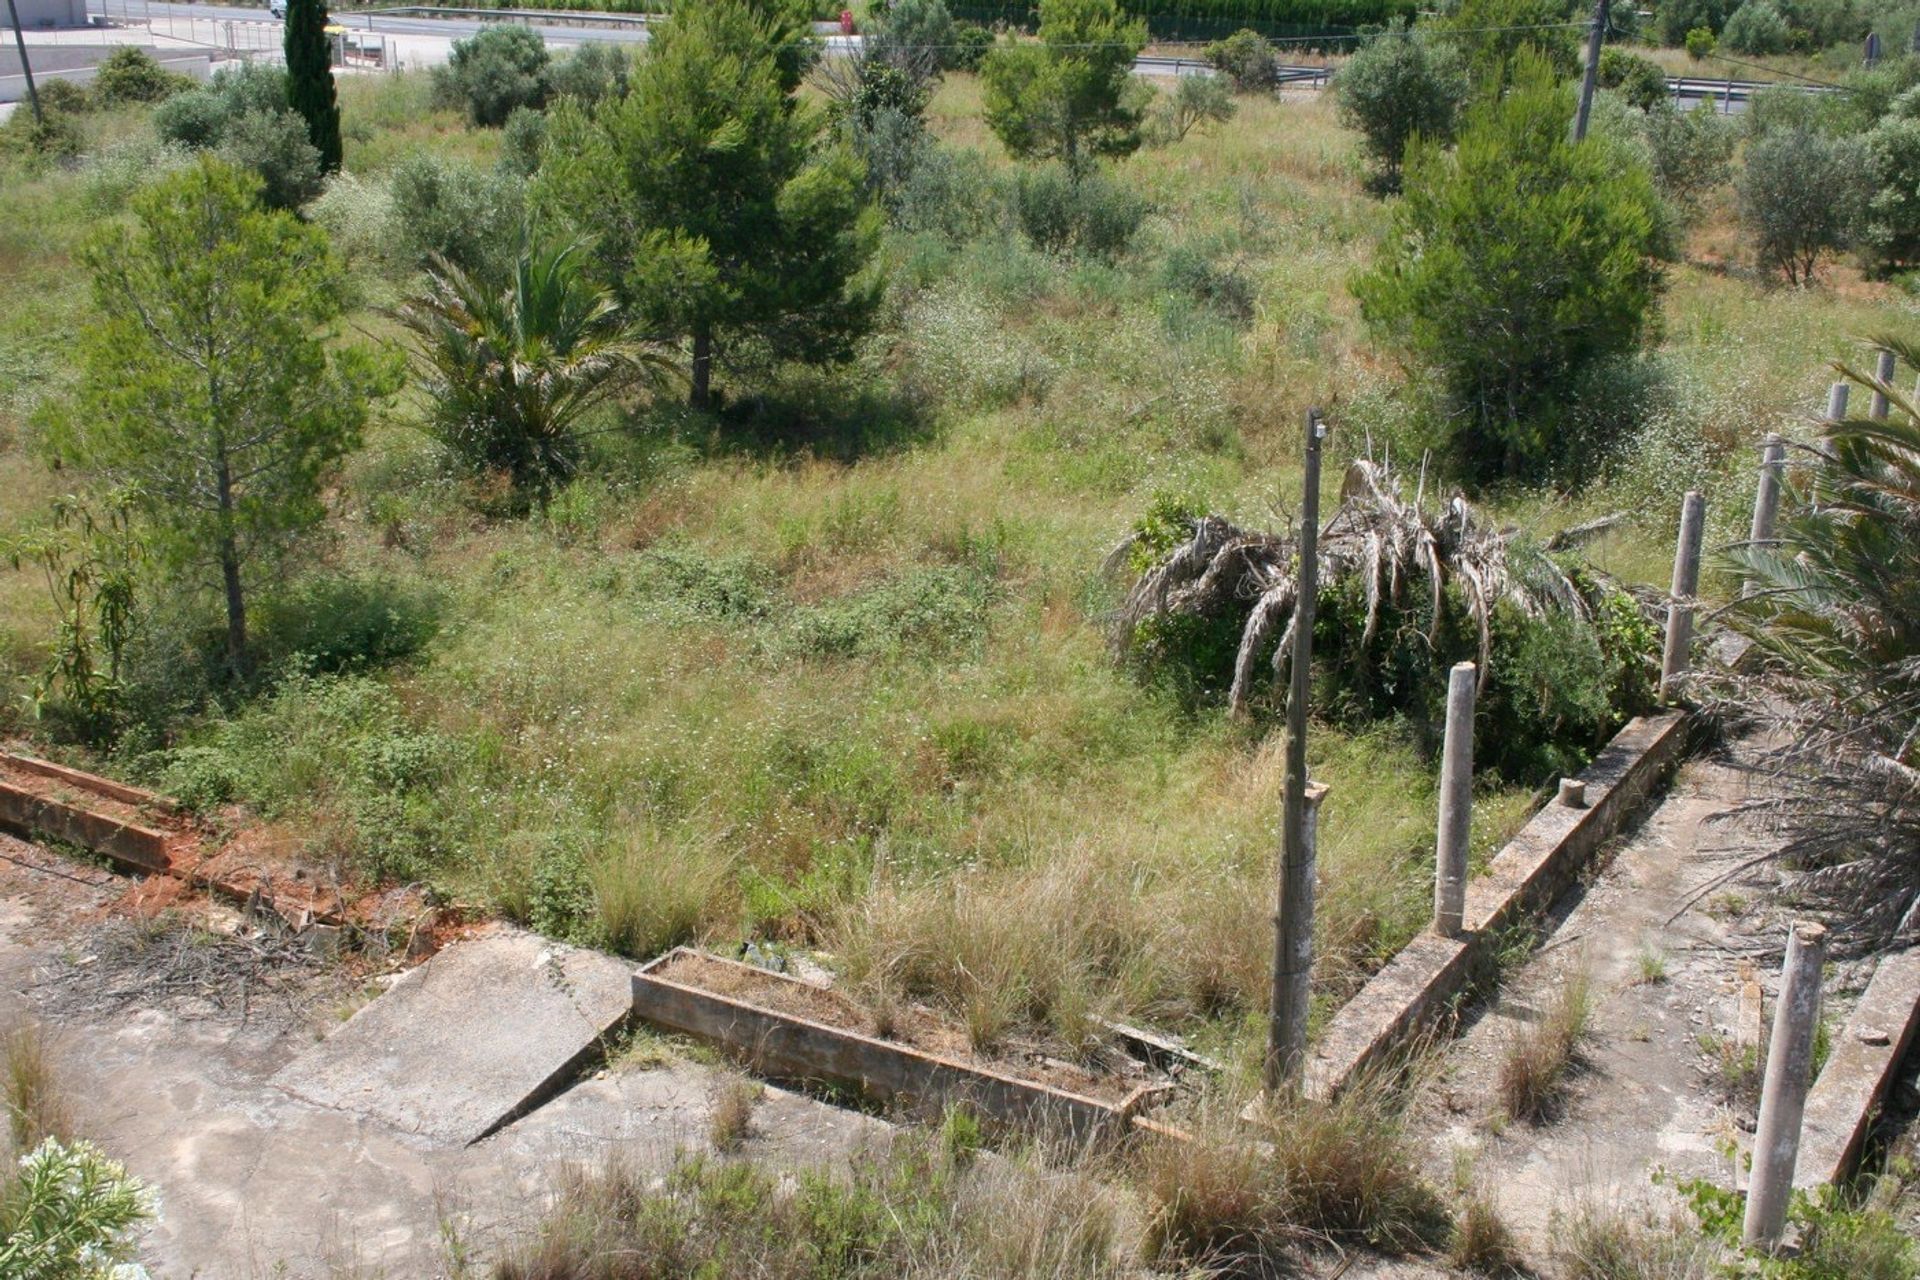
1591 80
26 68
1293 918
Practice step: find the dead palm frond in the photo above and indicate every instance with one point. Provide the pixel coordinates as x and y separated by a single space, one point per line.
1392 546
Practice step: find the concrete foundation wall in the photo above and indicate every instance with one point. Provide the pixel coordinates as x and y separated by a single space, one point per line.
46 13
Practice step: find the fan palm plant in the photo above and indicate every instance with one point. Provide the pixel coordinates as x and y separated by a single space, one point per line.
512 369
1834 611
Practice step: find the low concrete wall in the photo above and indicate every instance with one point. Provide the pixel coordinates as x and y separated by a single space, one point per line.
1421 984
1866 1057
138 849
794 1049
41 14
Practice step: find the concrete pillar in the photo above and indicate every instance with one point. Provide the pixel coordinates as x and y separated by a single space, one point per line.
1686 582
1883 369
1293 961
1766 498
1783 1093
1837 402
1456 804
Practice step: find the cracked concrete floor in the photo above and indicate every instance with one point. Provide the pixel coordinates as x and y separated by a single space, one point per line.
255 1183
1646 1093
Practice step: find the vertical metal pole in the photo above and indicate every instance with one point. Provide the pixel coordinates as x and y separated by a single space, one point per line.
1883 368
1783 1093
1766 498
1456 805
1590 81
26 67
1686 582
1293 915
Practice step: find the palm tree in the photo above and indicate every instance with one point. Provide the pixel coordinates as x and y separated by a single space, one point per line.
512 370
1835 615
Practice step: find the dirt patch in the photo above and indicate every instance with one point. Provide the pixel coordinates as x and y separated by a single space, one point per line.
174 963
1113 1076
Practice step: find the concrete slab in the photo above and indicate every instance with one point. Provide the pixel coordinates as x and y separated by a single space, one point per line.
471 1040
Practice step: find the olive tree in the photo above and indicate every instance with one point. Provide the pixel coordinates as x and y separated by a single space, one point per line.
489 74
211 387
1802 194
1397 86
1065 98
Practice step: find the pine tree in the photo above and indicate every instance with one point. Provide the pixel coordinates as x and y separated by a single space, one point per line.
310 78
723 215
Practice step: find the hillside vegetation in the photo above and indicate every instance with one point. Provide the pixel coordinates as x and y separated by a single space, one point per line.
829 663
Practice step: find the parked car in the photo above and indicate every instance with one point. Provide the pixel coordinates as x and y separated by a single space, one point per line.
278 8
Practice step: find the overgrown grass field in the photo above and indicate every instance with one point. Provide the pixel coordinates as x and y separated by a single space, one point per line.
833 669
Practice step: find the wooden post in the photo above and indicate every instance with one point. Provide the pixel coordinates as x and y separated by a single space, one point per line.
1766 498
1783 1093
1456 805
1883 368
1837 402
1293 914
1686 582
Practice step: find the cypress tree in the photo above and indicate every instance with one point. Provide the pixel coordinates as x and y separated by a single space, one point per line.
310 78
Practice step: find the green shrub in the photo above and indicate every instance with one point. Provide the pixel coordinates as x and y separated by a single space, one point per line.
1689 152
521 139
1398 85
274 145
489 74
1840 1237
1892 225
1193 272
347 622
451 207
1095 216
37 141
64 95
1068 96
1513 266
191 119
1679 19
971 44
115 172
1196 101
1755 28
1802 194
131 75
1247 60
595 72
357 216
1700 43
951 193
1641 81
66 1210
200 778
1494 36
917 614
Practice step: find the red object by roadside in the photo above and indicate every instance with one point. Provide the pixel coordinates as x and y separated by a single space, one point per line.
846 22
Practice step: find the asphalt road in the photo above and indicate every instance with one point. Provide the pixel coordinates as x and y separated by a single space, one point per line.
564 34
